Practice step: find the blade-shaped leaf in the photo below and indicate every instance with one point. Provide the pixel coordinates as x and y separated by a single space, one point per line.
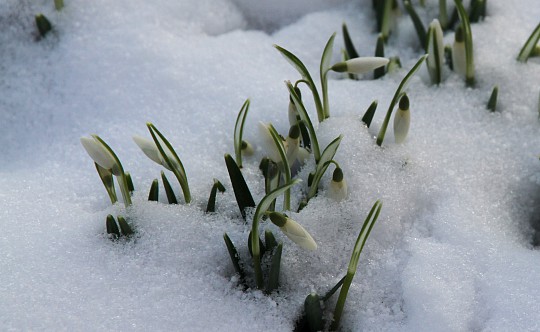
370 112
106 177
467 34
275 266
286 169
171 197
153 195
211 206
349 46
235 258
418 25
529 45
124 226
240 188
239 130
326 59
326 157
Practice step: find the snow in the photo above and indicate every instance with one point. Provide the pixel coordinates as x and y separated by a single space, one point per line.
451 251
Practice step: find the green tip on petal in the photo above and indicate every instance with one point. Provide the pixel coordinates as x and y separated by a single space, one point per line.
278 219
294 132
459 37
338 175
404 103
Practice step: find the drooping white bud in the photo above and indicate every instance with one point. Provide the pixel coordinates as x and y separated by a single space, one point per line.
338 186
293 230
99 154
151 150
402 120
360 65
268 143
459 59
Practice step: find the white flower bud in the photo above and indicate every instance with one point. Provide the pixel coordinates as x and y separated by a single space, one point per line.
268 143
151 150
338 186
402 120
459 59
293 230
100 154
360 65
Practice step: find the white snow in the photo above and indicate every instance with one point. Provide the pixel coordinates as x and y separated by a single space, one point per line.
451 251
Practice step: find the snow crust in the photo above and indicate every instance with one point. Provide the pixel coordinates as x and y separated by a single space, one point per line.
451 250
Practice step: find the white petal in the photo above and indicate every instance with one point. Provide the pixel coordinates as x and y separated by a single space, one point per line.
365 64
98 153
149 148
298 235
402 121
458 58
268 143
337 190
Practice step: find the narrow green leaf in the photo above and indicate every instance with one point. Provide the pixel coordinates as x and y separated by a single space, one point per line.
43 25
475 10
301 68
313 312
211 206
305 118
240 188
349 46
306 142
112 227
233 253
529 45
443 15
58 4
370 112
262 247
334 289
269 240
285 168
124 226
326 60
387 19
396 97
171 197
326 157
275 266
239 131
492 103
261 209
379 52
106 177
353 264
418 25
175 165
153 195
467 34
129 182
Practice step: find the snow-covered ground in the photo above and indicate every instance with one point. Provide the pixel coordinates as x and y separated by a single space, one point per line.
451 251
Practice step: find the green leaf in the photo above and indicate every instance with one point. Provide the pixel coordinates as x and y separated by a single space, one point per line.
129 182
437 58
301 68
443 16
106 177
396 97
349 46
353 264
58 4
370 112
304 116
269 240
313 313
124 226
233 253
334 289
467 34
379 52
112 227
43 25
240 188
326 59
273 276
261 209
285 168
326 158
418 25
386 19
529 45
171 197
175 165
492 103
211 206
239 130
153 195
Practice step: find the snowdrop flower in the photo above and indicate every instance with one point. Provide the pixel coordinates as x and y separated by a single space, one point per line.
268 143
338 186
100 154
360 65
151 150
435 51
402 120
293 230
458 52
